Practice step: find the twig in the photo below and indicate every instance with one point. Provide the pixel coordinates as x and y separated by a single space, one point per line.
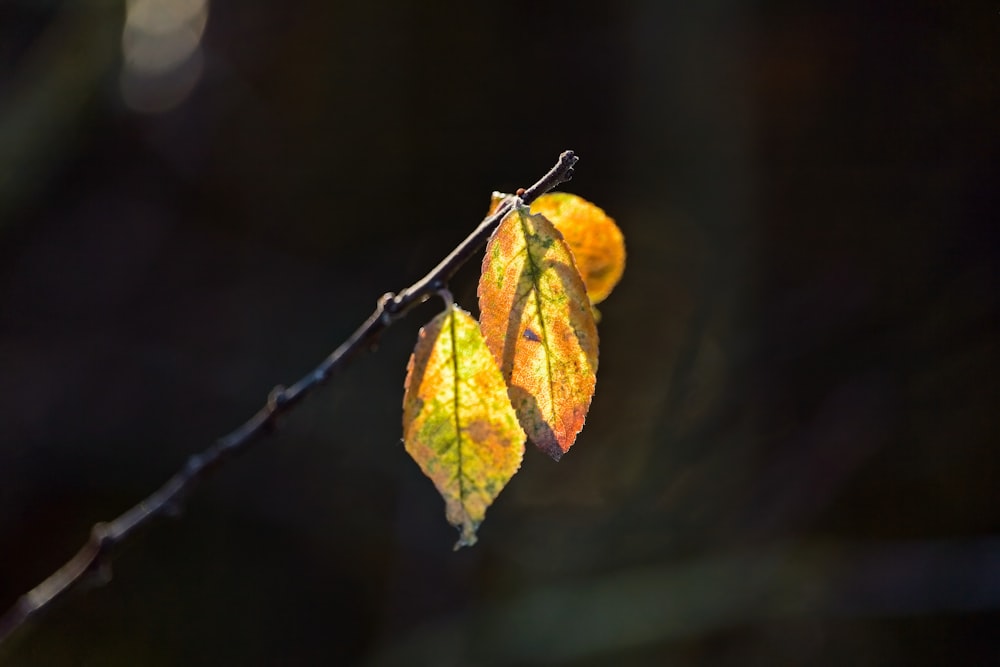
94 557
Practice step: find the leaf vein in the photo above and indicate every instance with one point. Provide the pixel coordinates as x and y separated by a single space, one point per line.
536 274
455 398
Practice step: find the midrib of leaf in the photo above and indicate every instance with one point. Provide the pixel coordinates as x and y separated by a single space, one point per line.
536 283
458 423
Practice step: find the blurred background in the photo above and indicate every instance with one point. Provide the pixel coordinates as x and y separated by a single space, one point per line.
792 456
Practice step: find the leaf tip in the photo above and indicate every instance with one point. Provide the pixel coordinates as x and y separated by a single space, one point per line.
468 537
552 448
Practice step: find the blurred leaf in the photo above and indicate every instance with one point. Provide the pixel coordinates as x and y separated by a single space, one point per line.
537 321
458 424
597 243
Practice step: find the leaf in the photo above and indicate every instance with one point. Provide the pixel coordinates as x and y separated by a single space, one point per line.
537 321
597 244
596 241
458 423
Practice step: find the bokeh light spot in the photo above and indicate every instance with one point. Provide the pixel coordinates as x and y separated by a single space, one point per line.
161 49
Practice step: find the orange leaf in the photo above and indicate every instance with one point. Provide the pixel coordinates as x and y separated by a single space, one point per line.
597 244
537 321
458 423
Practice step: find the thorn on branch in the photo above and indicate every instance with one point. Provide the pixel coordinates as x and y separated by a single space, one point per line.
389 303
98 572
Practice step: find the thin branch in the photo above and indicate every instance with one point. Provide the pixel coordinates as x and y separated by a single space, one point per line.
94 557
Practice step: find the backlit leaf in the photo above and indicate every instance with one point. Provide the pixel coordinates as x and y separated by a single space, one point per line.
537 321
597 244
458 423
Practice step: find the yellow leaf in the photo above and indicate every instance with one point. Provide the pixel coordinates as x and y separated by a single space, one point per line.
597 244
458 423
495 200
538 323
596 241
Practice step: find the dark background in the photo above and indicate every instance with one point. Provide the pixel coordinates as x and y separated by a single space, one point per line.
792 456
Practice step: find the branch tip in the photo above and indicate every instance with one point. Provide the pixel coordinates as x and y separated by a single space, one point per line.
560 173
